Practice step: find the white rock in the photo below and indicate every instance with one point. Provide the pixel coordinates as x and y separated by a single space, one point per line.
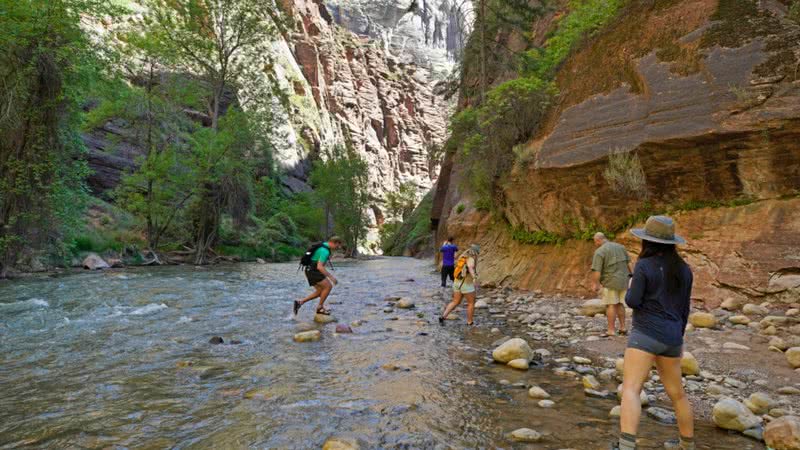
615 411
734 346
307 336
512 349
526 435
593 307
581 360
405 303
546 403
537 392
520 363
481 304
733 415
751 309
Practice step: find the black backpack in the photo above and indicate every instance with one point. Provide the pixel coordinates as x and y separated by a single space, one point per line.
305 260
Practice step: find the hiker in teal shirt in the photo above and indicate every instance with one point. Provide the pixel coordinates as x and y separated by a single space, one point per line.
317 275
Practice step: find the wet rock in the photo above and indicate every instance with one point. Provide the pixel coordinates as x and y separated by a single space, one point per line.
581 360
590 382
94 262
495 331
788 390
702 320
734 346
793 356
619 364
324 318
388 310
481 304
733 415
778 343
783 433
662 415
343 329
341 443
512 349
308 336
756 433
751 309
739 320
357 323
615 411
597 394
759 403
526 435
734 383
546 403
537 392
542 353
689 364
520 363
405 303
216 340
716 390
592 307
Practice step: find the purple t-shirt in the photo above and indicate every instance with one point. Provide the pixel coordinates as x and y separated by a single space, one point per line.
449 254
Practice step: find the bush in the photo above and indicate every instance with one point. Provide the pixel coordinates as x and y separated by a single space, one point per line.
625 174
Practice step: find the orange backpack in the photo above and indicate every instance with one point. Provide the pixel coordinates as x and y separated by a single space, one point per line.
459 270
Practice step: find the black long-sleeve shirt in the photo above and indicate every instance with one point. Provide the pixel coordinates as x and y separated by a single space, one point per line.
656 312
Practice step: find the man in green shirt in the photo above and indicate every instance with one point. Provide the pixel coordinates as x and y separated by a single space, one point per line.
611 268
318 276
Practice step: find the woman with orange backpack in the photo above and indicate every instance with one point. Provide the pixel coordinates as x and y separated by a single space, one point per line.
466 280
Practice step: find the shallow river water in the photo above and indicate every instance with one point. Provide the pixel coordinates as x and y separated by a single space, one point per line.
123 360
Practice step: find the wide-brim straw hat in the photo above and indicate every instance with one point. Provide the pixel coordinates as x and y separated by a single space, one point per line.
659 229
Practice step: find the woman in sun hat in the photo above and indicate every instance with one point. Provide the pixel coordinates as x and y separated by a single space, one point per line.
659 294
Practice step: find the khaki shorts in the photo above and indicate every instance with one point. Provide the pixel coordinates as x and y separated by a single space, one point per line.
463 287
614 296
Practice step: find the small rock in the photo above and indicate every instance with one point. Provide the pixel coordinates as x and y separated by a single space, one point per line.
590 382
739 320
778 343
702 320
343 329
689 365
495 331
520 363
733 415
717 390
793 357
751 309
470 383
770 330
308 336
662 415
615 411
546 403
216 340
537 392
542 353
597 394
526 435
788 390
581 360
783 433
792 312
592 307
341 443
619 364
481 304
405 303
756 433
731 304
734 383
759 402
734 346
512 349
388 310
324 318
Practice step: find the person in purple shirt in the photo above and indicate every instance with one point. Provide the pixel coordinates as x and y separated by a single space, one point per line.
448 250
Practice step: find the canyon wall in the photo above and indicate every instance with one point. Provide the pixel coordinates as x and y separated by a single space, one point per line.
706 95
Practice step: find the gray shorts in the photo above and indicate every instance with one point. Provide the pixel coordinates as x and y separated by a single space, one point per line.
645 343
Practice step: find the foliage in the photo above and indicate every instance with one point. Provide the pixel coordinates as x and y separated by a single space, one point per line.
340 182
401 203
460 208
624 173
416 229
47 63
538 237
794 11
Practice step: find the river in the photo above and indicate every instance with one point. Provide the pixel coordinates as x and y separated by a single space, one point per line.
122 359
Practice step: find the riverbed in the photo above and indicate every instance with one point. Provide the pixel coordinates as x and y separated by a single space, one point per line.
122 359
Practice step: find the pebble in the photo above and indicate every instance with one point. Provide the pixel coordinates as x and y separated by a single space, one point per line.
343 329
615 411
308 336
689 364
324 318
581 360
546 403
702 320
520 363
590 382
596 394
662 415
526 435
537 392
789 390
405 303
793 356
754 310
341 443
512 349
759 403
739 320
734 383
734 346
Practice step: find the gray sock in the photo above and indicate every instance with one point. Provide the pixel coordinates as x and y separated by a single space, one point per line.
627 442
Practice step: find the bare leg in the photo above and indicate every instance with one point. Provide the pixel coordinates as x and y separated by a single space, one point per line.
669 369
325 287
313 295
610 315
637 367
452 305
621 316
470 307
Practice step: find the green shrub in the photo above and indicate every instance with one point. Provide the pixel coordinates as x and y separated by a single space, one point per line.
538 237
460 208
624 173
794 11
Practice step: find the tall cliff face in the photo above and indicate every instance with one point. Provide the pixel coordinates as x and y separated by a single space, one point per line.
429 33
706 94
348 88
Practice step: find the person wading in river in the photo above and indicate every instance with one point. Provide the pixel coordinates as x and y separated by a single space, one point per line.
466 280
660 293
611 268
448 251
318 276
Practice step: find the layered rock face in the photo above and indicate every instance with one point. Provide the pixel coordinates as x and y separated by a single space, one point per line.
345 88
429 33
705 94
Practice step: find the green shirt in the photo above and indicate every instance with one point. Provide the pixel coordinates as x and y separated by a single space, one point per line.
323 254
611 260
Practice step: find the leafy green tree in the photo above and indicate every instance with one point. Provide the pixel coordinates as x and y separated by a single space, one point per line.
47 62
401 203
340 182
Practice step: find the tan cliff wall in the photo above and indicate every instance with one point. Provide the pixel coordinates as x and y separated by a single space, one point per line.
705 93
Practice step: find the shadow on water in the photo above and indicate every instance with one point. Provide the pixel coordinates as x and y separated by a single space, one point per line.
122 360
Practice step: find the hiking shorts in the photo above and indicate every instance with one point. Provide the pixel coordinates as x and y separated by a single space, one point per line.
463 287
614 296
314 277
645 343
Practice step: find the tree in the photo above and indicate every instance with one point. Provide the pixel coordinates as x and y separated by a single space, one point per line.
223 42
46 62
340 182
401 203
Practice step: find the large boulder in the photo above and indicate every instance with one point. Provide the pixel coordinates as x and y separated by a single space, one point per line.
793 356
702 320
593 307
94 262
689 365
512 349
733 415
783 433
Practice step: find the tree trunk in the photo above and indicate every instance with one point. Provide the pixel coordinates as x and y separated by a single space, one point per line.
482 21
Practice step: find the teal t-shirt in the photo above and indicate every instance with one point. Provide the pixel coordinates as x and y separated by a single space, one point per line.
322 254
